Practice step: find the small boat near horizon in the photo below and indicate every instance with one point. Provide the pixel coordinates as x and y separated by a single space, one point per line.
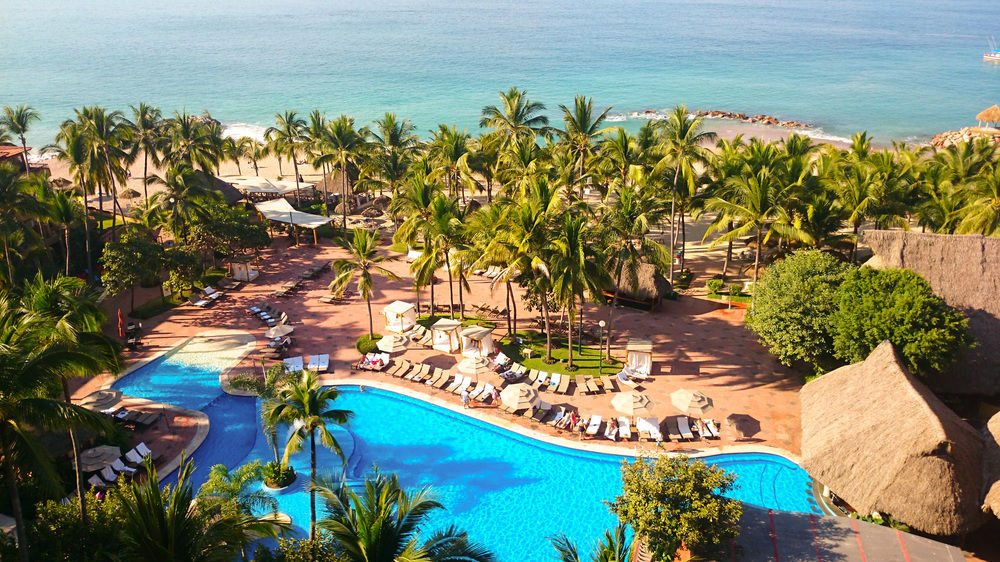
993 55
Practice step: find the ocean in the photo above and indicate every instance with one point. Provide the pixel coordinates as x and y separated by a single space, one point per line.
900 69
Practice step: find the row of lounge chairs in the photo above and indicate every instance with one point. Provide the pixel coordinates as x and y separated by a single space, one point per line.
133 418
314 271
128 467
486 311
207 298
337 299
422 373
319 363
556 382
420 336
268 314
373 362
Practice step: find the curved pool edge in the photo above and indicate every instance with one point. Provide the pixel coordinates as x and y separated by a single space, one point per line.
587 447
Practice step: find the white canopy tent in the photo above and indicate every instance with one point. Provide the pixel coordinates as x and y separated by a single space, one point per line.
280 210
639 358
244 272
257 185
445 335
477 341
399 316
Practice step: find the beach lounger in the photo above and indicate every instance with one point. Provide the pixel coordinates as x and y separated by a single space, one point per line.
213 293
108 475
610 432
294 364
652 428
560 414
609 386
594 425
474 393
134 457
229 284
96 482
405 369
487 394
624 428
147 419
563 387
145 451
713 430
682 423
624 380
319 363
591 386
396 367
554 381
532 376
455 383
436 373
673 432
200 303
443 381
119 467
501 359
426 371
465 384
541 411
418 374
542 379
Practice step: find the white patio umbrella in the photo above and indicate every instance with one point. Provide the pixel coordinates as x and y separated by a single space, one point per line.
475 366
393 343
97 458
279 331
100 400
691 402
519 396
633 403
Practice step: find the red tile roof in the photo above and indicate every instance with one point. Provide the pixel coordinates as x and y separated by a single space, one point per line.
10 151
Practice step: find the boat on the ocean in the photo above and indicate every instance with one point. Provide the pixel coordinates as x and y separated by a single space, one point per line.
993 55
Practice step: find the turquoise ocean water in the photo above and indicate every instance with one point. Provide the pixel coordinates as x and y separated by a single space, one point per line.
898 68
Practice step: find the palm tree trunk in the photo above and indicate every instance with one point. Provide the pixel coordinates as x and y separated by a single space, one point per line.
548 327
145 174
371 322
512 313
673 229
854 250
756 269
729 254
416 289
86 233
274 446
15 500
569 336
432 294
312 490
506 294
256 171
280 173
80 495
461 297
10 267
239 169
66 242
451 290
24 154
343 200
579 327
614 305
683 238
295 165
326 192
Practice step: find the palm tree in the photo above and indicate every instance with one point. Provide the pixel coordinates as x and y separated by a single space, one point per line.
580 129
31 358
577 268
516 117
613 547
341 148
109 140
17 121
392 148
240 487
288 136
168 524
147 134
63 210
307 406
856 187
982 215
71 148
184 199
188 142
17 209
443 235
362 266
450 151
255 151
268 389
383 523
682 146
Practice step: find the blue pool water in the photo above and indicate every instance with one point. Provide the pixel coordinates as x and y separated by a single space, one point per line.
509 491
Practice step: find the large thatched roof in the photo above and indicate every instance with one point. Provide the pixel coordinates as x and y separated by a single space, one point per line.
648 284
991 466
965 272
883 442
990 114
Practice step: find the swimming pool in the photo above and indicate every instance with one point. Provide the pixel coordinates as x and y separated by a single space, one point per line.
508 491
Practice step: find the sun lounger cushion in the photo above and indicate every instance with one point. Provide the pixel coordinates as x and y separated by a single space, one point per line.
624 428
682 424
108 474
594 425
119 466
96 482
134 457
294 364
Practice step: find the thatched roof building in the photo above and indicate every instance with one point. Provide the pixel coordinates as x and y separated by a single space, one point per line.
882 441
965 272
645 290
991 466
989 115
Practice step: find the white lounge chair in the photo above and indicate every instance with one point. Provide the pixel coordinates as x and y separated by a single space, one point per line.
542 379
134 457
319 363
466 383
294 364
474 393
611 432
120 467
554 381
560 414
96 482
622 378
501 359
651 426
682 424
624 428
594 425
213 293
455 383
486 393
713 430
108 475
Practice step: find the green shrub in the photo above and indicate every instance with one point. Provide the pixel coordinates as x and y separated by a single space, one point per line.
795 299
321 549
714 285
367 344
277 475
735 290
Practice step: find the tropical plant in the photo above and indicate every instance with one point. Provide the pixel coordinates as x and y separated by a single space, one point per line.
342 148
239 486
581 127
383 523
17 121
288 137
147 136
612 547
516 117
363 265
268 388
577 269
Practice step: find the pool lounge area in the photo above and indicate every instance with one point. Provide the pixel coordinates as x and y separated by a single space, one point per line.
504 488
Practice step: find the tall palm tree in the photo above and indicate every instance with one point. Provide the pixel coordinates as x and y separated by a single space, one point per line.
982 215
185 198
342 148
581 127
169 525
31 360
443 234
268 389
307 406
18 209
189 142
110 138
393 146
256 151
450 150
288 136
682 146
64 210
147 136
856 188
577 269
363 265
383 523
71 148
516 117
613 547
17 121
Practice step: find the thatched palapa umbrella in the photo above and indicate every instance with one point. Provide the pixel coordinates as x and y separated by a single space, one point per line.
475 366
97 458
129 194
989 115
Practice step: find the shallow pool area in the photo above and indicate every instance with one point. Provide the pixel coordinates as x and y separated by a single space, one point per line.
507 490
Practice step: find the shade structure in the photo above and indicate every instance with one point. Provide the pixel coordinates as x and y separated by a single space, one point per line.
475 366
279 210
393 343
129 194
445 335
639 357
691 402
477 341
989 115
257 185
519 396
101 400
279 331
633 404
743 424
97 458
400 316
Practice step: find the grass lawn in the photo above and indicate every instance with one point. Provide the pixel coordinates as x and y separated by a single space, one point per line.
428 321
726 297
587 363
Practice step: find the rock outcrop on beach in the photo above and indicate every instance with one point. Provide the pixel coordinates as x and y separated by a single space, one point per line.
759 119
965 134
